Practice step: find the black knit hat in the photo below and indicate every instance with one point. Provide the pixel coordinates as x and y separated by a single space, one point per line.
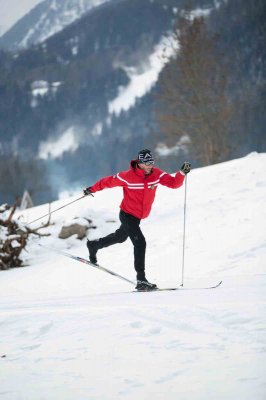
145 156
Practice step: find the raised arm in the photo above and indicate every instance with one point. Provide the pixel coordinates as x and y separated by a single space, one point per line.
176 181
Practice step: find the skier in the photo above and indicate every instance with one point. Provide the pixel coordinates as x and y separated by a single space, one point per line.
139 185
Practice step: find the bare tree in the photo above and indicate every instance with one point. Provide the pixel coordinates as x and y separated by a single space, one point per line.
193 99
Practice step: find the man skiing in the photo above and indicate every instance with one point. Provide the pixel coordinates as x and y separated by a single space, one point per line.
139 186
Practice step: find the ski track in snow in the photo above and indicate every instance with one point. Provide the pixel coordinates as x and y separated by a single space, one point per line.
162 340
71 332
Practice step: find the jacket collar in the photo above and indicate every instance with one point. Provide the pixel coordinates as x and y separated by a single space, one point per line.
136 170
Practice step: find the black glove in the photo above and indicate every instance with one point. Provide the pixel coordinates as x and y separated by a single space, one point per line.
186 167
87 191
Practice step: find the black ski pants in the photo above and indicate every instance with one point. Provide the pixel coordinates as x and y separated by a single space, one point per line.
129 228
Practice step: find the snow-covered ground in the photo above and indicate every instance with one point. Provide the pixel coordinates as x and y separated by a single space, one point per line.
71 332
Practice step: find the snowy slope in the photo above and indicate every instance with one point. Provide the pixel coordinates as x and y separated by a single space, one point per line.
46 19
71 332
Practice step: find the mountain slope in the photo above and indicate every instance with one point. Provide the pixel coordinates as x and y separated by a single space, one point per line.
93 87
74 332
46 19
71 84
12 11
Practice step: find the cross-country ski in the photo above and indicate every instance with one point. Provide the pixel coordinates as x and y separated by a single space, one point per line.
88 262
115 274
180 288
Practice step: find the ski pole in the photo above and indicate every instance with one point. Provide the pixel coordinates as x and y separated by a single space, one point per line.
51 212
184 232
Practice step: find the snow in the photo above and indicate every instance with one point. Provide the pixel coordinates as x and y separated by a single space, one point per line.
79 221
143 77
200 12
57 16
3 232
39 88
164 151
55 148
71 332
97 129
42 88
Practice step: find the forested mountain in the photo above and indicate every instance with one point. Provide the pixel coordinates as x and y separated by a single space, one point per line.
241 29
83 100
44 20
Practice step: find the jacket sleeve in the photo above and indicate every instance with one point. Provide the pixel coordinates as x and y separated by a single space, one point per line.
107 182
172 182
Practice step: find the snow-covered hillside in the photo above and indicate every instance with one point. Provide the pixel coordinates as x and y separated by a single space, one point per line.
46 19
71 332
12 11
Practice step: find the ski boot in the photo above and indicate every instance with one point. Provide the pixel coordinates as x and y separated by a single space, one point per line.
143 285
93 248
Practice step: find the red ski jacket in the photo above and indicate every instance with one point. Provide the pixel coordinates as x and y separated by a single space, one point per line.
139 189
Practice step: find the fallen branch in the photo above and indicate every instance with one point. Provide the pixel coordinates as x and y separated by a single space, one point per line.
14 239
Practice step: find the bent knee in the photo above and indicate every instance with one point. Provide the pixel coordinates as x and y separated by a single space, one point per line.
122 239
139 241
